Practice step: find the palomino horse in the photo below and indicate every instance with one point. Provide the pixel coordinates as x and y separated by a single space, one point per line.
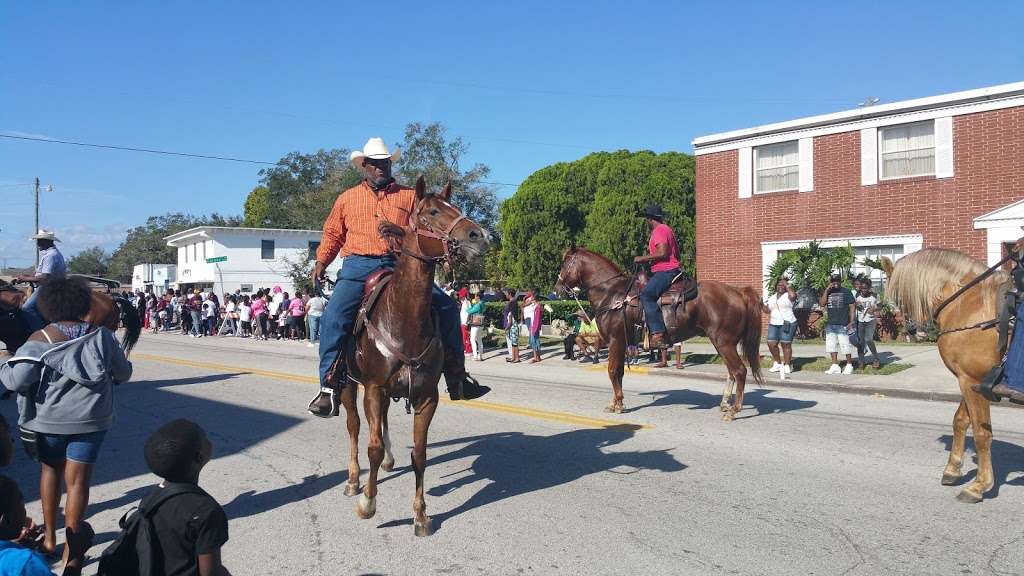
106 310
727 315
399 353
918 284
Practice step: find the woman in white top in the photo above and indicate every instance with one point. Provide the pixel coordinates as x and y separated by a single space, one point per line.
867 302
781 325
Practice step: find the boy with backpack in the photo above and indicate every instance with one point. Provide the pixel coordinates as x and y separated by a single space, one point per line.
18 535
178 529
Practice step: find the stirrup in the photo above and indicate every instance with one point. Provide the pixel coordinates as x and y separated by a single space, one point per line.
993 377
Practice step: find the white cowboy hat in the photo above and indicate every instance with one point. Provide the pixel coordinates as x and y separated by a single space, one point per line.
376 149
45 235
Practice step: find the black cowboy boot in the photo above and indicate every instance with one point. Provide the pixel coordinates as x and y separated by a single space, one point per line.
461 386
1003 391
327 402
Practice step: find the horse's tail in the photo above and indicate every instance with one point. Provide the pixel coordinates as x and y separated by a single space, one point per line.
132 323
752 333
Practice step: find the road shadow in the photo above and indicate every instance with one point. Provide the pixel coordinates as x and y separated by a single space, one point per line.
251 503
1006 459
513 463
758 398
142 407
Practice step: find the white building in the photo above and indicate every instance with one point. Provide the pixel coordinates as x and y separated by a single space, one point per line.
155 278
227 259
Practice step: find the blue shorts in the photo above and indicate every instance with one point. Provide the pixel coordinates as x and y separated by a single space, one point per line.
84 448
782 333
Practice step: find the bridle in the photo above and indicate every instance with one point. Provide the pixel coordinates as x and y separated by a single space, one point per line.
571 265
451 247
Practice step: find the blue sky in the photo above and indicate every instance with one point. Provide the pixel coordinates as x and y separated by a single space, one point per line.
526 84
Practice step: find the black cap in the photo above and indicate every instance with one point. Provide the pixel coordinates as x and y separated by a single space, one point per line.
653 210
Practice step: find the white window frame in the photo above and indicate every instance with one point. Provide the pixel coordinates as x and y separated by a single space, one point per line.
882 153
755 170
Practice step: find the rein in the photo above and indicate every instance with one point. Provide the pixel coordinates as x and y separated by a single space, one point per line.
978 279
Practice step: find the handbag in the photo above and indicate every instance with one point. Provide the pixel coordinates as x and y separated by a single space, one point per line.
476 320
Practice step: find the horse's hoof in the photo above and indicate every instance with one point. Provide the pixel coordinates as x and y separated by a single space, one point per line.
425 529
951 479
613 409
367 507
728 416
723 407
351 489
968 497
388 464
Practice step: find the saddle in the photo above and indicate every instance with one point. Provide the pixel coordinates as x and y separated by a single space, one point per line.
683 289
372 289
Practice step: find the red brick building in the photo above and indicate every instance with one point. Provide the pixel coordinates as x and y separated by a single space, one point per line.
890 179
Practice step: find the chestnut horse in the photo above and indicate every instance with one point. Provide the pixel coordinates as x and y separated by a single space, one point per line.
727 315
399 354
918 284
109 311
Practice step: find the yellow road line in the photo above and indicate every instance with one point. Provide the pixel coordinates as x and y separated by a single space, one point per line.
548 415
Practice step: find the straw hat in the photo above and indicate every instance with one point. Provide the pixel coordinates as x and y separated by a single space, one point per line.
376 149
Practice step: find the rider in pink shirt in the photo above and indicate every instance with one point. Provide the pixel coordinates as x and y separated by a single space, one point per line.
664 253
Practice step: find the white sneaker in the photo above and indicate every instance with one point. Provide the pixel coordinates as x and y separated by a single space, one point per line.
834 369
787 369
775 367
848 369
309 345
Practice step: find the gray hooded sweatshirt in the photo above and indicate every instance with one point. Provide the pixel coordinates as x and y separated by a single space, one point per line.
67 387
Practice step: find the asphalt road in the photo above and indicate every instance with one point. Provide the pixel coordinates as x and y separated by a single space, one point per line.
538 480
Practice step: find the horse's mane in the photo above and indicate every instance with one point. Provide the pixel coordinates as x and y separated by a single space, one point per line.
918 280
601 258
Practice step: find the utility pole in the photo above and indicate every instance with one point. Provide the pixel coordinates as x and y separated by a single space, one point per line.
37 220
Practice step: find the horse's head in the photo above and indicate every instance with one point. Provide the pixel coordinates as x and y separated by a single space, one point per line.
10 297
569 272
441 229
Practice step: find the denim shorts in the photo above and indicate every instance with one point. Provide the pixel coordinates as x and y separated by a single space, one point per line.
84 448
782 333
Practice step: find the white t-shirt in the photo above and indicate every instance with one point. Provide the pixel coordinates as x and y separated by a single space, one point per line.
464 312
209 309
244 312
230 307
864 305
528 312
781 309
315 306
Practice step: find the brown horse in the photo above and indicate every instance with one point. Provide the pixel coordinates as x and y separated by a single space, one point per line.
729 316
107 310
399 353
918 283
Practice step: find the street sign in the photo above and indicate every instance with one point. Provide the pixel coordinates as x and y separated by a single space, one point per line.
217 259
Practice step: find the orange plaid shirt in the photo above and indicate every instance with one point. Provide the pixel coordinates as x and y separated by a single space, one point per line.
351 228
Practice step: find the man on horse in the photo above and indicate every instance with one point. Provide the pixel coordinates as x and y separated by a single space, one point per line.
352 230
51 267
1012 384
664 253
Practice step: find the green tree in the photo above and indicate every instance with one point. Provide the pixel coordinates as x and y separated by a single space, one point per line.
593 201
257 208
91 261
809 266
301 189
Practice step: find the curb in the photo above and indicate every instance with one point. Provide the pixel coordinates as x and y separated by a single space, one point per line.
838 388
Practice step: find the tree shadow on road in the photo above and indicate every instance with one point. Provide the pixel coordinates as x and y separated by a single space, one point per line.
514 463
758 398
1006 459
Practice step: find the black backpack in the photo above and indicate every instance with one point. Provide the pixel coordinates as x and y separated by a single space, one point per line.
135 551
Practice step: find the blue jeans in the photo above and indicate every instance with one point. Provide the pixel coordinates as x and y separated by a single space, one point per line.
32 315
340 314
85 448
1013 369
314 327
656 286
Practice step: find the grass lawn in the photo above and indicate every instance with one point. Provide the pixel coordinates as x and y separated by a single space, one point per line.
804 364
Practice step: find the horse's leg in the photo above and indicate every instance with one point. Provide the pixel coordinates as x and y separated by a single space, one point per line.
952 474
421 522
348 400
727 394
389 459
738 372
616 366
981 429
372 400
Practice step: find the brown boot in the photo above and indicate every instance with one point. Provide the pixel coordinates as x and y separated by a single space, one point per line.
1004 391
327 402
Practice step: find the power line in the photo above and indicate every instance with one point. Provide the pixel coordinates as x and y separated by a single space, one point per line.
132 149
165 152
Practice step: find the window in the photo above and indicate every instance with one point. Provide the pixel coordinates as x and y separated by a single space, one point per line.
313 246
908 150
267 249
246 288
892 252
777 167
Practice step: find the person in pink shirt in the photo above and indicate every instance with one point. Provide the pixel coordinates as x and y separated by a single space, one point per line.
664 253
297 317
